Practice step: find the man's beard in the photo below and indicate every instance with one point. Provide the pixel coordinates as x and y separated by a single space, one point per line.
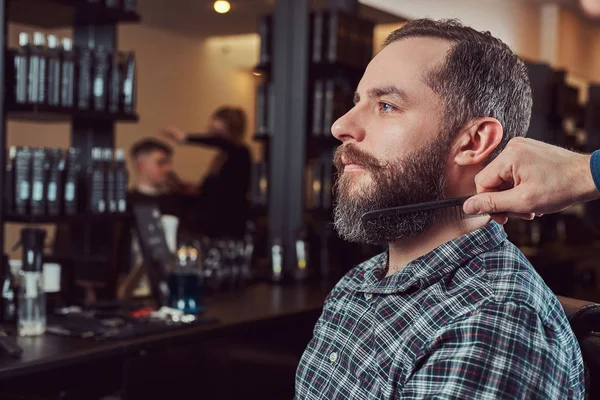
416 178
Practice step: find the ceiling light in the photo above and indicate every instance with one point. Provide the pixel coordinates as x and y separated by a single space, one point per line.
222 6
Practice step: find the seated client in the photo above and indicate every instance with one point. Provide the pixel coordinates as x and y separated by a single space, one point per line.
452 310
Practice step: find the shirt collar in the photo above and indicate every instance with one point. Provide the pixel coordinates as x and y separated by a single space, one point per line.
432 266
149 190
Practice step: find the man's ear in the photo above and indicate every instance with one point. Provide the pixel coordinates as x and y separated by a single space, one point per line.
474 144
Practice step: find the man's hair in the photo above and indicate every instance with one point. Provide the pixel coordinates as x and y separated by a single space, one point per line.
234 119
146 146
480 77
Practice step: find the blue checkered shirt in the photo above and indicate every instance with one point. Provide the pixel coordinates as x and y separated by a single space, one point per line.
469 320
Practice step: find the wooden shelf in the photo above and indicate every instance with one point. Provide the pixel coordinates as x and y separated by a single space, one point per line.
79 218
64 13
36 113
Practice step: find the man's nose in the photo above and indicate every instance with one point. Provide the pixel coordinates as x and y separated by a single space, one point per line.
349 127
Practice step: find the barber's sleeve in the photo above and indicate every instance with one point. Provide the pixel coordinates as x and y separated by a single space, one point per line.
501 351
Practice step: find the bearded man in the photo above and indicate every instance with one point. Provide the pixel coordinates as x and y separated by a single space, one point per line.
452 310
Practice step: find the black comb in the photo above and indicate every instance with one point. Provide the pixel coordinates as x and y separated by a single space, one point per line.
449 209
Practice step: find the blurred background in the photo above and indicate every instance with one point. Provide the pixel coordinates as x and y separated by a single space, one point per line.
217 114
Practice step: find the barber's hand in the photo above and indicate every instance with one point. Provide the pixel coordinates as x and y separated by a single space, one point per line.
174 134
531 178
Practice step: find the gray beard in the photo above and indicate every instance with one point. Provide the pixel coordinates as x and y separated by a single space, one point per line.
417 178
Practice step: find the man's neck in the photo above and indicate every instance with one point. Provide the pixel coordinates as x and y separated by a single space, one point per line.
403 251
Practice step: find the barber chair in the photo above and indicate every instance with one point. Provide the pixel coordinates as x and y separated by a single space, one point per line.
584 318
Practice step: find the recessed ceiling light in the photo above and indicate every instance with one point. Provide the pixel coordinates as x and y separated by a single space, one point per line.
222 6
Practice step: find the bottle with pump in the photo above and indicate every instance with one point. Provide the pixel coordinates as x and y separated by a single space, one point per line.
67 74
21 61
129 85
54 68
32 300
96 183
121 181
84 90
101 64
110 181
37 70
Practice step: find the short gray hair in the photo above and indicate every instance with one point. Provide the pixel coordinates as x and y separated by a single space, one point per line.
480 77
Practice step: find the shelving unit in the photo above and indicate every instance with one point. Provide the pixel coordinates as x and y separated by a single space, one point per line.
90 236
63 13
34 114
86 218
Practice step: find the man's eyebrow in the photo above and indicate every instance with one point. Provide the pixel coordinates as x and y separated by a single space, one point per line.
388 90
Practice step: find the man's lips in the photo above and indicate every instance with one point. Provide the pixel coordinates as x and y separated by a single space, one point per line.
349 166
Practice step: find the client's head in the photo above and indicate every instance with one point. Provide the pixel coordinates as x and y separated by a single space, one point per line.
432 108
153 162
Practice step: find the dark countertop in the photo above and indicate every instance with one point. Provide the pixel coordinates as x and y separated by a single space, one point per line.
258 303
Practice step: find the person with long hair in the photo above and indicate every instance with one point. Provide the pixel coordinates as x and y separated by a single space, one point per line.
222 206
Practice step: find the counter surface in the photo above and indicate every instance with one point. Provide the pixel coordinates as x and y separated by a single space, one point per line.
256 304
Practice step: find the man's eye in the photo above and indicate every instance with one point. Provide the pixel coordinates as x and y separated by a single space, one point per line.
385 107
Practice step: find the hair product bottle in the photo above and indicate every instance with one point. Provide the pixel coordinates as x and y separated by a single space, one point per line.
96 183
53 78
23 180
9 180
114 91
37 70
101 66
84 90
67 74
121 178
54 189
129 85
72 192
109 180
38 181
21 65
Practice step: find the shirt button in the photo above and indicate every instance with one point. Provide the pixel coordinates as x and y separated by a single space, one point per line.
368 296
333 357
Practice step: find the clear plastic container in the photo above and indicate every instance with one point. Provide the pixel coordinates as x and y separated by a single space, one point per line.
32 304
32 300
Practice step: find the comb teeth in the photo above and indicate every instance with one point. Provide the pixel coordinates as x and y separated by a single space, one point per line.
455 213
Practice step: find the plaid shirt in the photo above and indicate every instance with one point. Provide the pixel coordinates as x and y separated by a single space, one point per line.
469 320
